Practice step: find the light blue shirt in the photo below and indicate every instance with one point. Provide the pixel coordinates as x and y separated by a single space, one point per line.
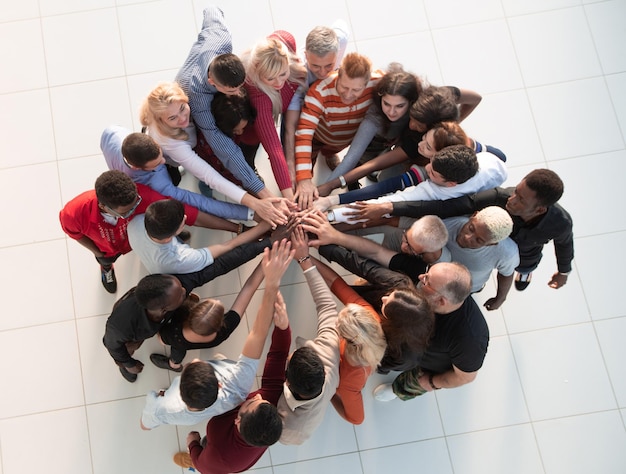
236 379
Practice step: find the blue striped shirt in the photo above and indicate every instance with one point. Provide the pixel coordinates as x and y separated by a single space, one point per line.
213 40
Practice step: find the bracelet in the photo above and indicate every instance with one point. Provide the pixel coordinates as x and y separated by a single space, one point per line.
303 259
342 180
430 381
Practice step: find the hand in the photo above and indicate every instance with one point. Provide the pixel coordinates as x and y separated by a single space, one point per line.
135 369
424 382
193 436
284 231
306 193
274 210
281 320
322 204
276 261
557 280
369 211
324 189
300 243
492 304
317 223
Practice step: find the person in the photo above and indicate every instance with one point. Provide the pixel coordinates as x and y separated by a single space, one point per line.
205 388
323 53
537 219
481 244
437 138
332 111
195 325
273 74
459 343
98 219
165 114
135 318
237 439
406 317
153 237
141 158
385 121
209 68
421 245
454 171
312 373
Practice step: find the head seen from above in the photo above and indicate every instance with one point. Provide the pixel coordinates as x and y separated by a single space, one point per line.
352 77
167 110
485 227
321 51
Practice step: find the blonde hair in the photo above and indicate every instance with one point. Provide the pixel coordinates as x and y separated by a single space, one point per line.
153 106
365 340
267 59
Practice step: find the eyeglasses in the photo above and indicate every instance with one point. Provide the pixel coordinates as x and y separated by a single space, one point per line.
412 251
425 280
128 213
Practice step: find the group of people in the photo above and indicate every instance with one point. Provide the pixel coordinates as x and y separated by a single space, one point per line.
446 225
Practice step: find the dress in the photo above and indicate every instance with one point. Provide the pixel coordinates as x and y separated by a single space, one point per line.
503 256
236 379
556 225
214 39
460 338
81 217
172 334
301 417
352 378
159 179
225 449
327 123
170 257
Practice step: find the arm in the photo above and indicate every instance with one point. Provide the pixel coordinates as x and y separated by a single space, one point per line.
265 128
450 379
274 265
504 285
393 157
367 130
290 122
255 233
309 119
564 250
468 101
90 245
316 223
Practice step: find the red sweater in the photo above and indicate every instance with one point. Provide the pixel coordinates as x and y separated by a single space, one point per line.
81 217
225 450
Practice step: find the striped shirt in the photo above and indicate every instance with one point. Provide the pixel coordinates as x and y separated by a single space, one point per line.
213 40
326 119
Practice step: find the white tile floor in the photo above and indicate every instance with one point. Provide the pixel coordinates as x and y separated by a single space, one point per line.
551 397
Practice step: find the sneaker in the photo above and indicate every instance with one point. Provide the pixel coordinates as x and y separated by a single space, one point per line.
130 377
108 279
522 280
184 236
163 362
204 189
183 459
384 393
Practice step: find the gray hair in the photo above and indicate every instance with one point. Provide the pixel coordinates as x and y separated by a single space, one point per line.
322 40
459 282
430 232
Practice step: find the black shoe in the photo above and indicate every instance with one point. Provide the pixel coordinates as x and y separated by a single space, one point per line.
522 280
130 377
108 279
163 362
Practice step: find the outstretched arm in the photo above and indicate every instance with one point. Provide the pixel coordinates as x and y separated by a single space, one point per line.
316 223
468 102
274 265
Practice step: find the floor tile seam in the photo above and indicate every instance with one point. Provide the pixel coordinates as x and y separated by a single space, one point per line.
606 367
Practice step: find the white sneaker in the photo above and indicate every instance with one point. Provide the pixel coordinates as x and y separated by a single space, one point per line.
384 393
